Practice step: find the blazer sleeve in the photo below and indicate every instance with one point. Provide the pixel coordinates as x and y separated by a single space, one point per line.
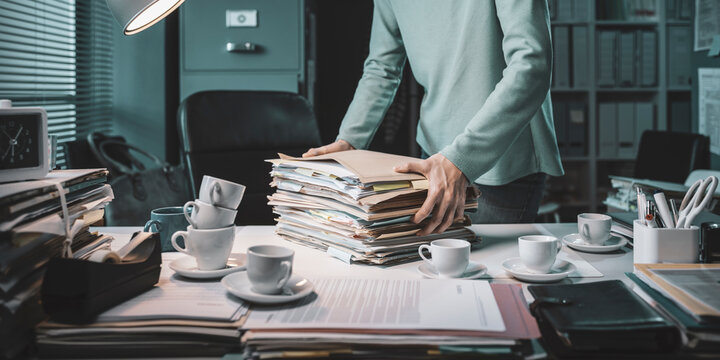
381 77
527 49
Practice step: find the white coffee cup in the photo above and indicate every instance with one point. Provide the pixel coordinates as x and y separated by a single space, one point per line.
206 216
538 252
269 267
221 192
594 228
450 257
210 247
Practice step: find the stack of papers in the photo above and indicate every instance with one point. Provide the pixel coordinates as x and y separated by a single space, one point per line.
688 295
624 197
417 319
32 231
353 205
177 318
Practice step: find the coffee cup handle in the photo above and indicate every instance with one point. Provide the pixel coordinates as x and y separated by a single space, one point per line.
173 240
420 249
585 231
287 269
559 247
215 193
187 214
150 223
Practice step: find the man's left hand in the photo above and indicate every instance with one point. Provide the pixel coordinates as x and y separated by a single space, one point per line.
446 192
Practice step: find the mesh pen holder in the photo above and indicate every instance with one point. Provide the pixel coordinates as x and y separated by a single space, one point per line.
664 245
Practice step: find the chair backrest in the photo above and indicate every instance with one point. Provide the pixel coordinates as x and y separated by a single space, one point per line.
671 156
230 134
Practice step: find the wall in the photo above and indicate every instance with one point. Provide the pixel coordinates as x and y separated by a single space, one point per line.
139 88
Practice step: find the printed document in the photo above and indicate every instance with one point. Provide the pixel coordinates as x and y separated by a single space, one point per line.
709 106
341 303
707 23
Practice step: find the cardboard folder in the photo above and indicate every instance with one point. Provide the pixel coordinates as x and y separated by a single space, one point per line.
369 166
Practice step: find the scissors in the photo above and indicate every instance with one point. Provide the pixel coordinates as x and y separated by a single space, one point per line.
696 199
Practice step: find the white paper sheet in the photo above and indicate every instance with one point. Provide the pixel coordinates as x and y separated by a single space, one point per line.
388 304
709 106
175 298
707 23
701 284
327 167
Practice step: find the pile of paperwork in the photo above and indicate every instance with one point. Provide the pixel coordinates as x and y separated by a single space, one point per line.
393 318
32 230
353 205
177 318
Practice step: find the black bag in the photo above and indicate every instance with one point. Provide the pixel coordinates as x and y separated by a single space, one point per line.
138 190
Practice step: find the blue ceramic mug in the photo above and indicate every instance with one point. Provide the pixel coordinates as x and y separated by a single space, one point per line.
167 221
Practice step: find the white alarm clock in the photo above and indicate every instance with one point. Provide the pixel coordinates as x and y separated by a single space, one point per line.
24 149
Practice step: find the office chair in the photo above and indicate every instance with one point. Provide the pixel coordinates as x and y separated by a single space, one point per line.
230 134
671 156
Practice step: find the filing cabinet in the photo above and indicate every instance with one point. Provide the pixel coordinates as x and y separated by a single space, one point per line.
242 45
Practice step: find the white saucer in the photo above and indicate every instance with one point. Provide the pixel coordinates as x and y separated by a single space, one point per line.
560 270
186 266
576 242
238 284
473 271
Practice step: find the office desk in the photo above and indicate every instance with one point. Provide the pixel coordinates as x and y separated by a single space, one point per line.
311 262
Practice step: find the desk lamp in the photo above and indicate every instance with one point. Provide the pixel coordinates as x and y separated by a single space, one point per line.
137 15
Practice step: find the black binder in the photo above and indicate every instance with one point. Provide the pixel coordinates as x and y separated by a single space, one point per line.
76 291
600 319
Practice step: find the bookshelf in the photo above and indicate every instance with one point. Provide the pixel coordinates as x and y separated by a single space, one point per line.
585 185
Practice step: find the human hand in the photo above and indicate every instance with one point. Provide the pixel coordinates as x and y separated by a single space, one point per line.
446 192
339 145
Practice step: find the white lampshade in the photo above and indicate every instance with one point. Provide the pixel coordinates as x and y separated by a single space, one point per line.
137 15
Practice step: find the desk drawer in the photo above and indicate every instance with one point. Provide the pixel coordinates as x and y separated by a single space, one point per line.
273 43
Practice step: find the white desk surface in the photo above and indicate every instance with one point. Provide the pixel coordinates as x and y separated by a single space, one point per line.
496 239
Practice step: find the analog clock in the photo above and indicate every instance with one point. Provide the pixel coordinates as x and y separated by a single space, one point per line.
23 143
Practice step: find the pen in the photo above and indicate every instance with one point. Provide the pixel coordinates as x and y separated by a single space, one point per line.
674 209
663 209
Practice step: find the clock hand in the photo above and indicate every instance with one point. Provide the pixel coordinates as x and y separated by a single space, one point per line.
18 133
6 152
6 134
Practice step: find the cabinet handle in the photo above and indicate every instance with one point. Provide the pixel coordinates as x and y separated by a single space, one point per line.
241 47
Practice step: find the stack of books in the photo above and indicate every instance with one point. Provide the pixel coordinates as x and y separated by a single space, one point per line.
32 230
687 294
353 205
177 318
419 319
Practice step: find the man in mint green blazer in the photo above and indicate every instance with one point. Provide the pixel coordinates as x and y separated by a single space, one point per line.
486 115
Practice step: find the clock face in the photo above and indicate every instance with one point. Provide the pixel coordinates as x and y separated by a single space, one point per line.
19 136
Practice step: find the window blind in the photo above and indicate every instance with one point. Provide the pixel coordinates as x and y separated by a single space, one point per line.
57 54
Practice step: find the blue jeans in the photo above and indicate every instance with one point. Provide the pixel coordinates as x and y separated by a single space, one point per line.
515 202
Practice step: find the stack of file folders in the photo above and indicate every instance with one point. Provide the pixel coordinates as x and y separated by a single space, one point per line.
687 294
32 231
353 205
175 319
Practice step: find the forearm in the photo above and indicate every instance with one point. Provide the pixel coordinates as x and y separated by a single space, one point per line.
375 92
381 77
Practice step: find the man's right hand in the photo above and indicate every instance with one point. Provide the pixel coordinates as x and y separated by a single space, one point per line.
339 145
